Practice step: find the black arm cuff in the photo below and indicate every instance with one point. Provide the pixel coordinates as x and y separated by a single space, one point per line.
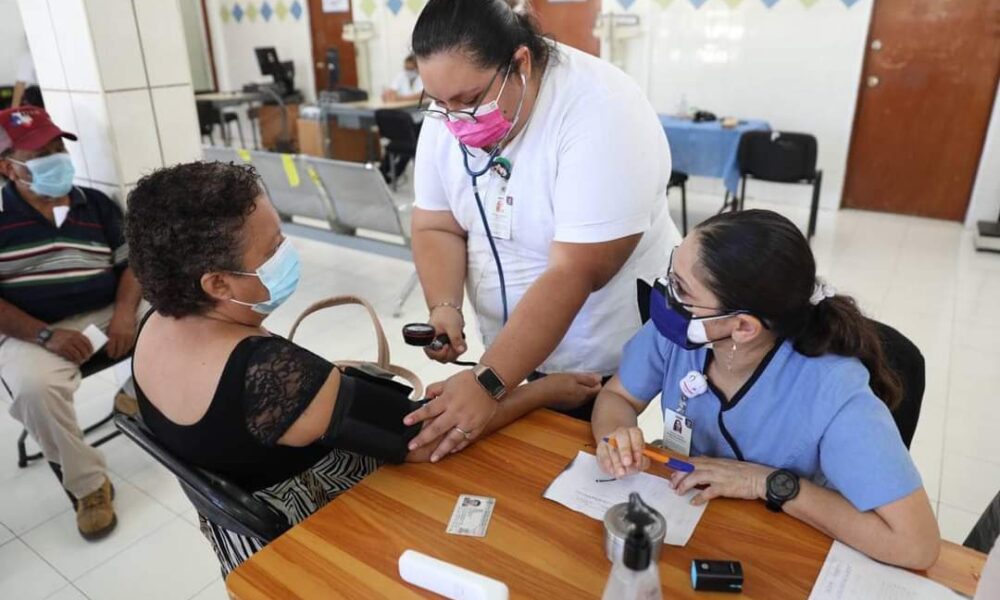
368 417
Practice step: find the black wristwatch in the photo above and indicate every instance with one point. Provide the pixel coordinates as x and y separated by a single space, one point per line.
43 336
782 486
490 381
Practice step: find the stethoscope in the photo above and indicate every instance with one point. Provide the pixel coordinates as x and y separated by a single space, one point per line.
475 175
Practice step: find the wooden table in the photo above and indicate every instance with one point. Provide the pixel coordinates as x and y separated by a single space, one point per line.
539 548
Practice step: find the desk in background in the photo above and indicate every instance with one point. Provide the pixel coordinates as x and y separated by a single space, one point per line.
540 549
345 130
707 149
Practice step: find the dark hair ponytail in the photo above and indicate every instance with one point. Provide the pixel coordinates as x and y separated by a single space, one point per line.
759 261
489 31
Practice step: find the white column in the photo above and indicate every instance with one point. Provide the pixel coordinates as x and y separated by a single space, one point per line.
116 73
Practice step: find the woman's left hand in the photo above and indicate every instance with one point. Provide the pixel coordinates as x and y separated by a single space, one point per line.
461 409
724 478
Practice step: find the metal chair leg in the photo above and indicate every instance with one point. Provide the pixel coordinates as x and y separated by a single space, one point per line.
684 208
239 130
22 453
404 294
743 193
814 208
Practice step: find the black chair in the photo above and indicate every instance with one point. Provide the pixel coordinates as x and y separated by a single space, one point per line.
397 126
678 179
902 355
780 157
97 363
984 533
209 117
217 499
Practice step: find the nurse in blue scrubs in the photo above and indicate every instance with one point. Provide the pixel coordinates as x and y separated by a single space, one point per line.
781 387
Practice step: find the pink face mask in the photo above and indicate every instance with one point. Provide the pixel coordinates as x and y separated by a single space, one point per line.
490 126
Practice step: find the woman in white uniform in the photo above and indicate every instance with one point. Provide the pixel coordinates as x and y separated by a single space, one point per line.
540 182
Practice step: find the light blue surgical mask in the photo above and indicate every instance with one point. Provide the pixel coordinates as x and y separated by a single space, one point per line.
51 176
279 274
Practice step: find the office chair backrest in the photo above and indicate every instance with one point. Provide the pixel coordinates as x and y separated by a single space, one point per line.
208 116
217 499
397 126
289 187
778 156
902 355
906 360
359 195
223 154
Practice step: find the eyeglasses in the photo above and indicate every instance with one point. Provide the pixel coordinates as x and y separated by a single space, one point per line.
674 297
435 111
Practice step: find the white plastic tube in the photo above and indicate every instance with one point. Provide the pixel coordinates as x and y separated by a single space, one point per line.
449 580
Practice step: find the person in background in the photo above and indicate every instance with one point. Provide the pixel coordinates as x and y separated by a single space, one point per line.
223 393
540 183
26 90
406 86
793 391
63 266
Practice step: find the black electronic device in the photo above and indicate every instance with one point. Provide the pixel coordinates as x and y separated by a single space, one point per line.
716 575
332 68
283 72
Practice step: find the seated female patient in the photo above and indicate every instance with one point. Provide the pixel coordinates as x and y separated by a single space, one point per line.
223 393
796 407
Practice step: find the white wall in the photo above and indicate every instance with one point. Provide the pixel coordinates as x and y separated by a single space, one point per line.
985 203
12 41
796 67
391 43
197 45
233 43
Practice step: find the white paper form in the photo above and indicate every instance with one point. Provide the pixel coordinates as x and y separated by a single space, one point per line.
578 487
850 575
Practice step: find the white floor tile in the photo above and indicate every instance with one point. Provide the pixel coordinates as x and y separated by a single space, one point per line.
191 516
68 593
59 543
174 563
968 483
6 535
31 497
25 576
955 523
216 591
160 484
125 458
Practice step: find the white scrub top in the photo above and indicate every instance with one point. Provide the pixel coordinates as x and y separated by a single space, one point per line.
405 86
591 166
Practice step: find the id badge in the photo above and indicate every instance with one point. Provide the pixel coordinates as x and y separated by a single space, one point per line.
677 430
500 212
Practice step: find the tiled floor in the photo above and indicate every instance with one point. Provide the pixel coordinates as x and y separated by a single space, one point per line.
921 276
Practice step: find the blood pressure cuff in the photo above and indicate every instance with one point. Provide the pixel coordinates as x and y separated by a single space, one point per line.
368 417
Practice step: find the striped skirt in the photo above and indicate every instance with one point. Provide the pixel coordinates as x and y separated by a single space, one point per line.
296 498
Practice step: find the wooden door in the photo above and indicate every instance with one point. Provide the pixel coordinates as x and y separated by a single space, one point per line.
327 32
926 93
570 23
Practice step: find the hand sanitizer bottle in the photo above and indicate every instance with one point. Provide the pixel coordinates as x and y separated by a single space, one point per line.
636 576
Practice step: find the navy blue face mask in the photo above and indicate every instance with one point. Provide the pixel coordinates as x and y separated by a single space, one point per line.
677 324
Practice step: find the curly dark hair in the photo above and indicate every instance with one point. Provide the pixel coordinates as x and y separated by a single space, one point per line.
185 221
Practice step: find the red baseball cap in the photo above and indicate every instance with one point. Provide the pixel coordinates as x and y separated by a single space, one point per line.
28 128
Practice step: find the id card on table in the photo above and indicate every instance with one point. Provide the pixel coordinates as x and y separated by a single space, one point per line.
677 429
471 515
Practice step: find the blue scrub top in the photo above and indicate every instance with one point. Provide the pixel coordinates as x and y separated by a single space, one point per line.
815 416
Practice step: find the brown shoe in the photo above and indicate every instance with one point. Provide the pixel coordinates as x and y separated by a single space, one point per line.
95 516
126 404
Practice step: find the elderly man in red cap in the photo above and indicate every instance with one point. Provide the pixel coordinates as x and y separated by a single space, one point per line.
63 267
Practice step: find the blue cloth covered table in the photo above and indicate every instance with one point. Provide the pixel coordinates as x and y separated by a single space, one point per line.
707 149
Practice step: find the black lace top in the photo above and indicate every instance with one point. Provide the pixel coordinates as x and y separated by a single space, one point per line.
265 386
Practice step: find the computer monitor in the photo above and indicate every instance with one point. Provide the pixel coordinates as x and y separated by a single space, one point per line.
283 72
267 60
